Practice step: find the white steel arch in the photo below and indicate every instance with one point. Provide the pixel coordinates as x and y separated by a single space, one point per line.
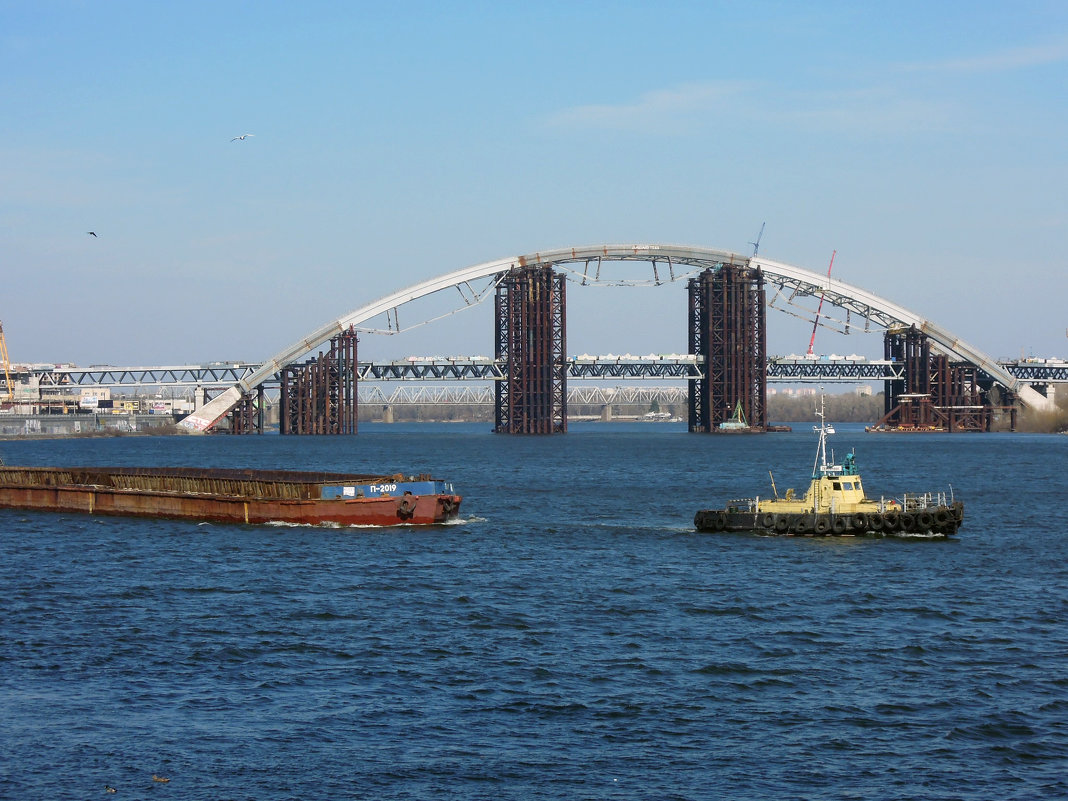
835 292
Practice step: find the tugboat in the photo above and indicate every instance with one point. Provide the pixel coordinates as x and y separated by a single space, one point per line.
835 504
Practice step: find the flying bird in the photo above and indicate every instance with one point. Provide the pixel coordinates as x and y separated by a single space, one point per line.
241 137
92 233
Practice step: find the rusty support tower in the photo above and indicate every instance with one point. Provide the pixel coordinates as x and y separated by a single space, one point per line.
934 394
247 416
531 338
319 396
727 329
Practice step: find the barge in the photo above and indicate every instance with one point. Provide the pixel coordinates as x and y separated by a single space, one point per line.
835 504
232 495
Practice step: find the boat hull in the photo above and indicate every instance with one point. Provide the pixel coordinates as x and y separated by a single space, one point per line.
247 497
930 521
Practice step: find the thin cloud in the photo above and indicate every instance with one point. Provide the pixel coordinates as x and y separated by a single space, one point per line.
1013 58
664 106
692 106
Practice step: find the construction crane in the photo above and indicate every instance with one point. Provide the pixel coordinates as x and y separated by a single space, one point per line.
7 367
819 309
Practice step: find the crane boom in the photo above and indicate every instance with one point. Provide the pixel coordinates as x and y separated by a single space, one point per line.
819 308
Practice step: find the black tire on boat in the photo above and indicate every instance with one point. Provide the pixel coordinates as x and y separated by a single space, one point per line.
875 522
838 525
406 508
768 520
721 521
859 521
781 524
802 526
892 520
942 516
822 526
925 519
908 522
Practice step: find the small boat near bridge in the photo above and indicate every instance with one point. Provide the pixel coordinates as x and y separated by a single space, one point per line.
835 505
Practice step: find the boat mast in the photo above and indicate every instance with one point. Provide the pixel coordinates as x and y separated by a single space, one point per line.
823 430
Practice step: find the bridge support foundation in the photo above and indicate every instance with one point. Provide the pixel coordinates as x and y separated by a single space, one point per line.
935 395
727 329
247 416
531 339
319 396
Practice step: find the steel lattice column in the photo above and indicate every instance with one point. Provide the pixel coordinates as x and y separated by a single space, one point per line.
531 338
319 396
727 329
247 416
933 393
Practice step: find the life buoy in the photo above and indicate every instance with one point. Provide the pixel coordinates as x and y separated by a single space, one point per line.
838 526
768 521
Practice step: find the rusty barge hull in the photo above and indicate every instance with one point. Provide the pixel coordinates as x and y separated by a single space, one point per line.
232 496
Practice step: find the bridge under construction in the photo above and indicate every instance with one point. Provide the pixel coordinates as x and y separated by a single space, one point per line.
933 379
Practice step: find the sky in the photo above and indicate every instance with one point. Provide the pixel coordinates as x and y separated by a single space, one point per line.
924 144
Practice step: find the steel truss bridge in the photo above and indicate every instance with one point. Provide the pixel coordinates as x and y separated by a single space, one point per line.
219 376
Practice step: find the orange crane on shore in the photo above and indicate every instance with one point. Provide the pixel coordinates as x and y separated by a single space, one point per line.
7 366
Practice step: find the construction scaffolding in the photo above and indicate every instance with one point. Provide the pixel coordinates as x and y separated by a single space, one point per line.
247 416
319 396
531 339
727 331
934 394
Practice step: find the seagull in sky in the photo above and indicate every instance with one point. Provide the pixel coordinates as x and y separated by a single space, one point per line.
241 137
92 233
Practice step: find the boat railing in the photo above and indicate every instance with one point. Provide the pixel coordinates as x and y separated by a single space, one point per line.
915 501
743 504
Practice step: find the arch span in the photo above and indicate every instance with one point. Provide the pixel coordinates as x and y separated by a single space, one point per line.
838 293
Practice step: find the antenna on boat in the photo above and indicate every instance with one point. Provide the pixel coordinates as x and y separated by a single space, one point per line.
823 430
772 485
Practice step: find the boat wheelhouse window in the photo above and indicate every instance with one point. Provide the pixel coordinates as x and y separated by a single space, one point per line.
836 485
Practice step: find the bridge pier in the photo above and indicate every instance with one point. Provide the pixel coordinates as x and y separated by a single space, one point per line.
934 394
319 396
247 416
727 330
531 339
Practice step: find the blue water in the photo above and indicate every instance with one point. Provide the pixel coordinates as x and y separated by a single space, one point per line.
573 638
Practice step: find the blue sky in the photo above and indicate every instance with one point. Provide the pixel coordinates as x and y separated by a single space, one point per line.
924 142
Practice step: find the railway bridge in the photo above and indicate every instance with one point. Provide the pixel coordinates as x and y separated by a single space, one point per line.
944 381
